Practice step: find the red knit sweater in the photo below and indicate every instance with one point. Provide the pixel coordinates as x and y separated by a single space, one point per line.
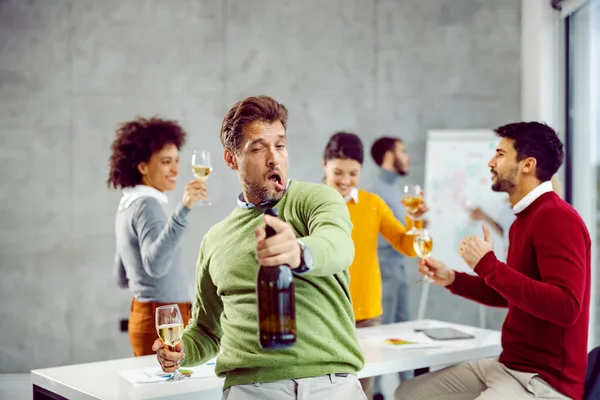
546 287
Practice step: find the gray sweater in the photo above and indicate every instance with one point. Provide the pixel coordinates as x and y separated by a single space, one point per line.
148 257
386 185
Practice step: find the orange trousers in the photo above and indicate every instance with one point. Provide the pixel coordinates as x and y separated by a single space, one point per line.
142 326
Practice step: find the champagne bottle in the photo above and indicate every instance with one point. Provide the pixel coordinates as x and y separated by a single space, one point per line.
276 302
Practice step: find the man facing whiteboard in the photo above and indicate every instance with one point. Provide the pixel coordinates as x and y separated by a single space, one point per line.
389 153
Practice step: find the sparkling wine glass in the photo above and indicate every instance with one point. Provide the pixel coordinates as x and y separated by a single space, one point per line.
423 244
201 167
169 326
412 200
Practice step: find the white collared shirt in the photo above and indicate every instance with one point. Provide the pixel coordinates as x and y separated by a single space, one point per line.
353 195
532 196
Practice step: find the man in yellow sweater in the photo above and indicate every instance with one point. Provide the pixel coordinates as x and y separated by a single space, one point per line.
370 216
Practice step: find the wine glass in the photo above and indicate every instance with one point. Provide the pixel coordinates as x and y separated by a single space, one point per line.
423 244
412 200
169 326
201 167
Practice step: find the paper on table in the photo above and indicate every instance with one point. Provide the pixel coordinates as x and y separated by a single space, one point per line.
405 340
155 374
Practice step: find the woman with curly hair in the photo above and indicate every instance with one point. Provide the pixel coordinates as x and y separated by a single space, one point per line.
144 163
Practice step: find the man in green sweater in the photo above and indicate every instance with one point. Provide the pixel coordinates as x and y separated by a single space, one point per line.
312 237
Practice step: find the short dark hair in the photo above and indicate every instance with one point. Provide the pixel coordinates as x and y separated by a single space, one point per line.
247 111
382 146
344 145
135 142
537 140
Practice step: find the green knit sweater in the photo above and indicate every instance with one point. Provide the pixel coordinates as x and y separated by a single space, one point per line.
224 315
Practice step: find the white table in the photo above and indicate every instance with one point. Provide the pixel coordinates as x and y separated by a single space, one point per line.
101 380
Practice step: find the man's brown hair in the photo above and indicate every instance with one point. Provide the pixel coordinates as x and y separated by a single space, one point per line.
247 111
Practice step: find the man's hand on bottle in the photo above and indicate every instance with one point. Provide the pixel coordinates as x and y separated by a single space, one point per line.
282 248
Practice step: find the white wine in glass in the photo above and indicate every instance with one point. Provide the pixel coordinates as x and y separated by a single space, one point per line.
170 334
169 326
201 167
412 200
423 245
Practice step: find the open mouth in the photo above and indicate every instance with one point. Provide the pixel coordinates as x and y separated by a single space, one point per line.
277 179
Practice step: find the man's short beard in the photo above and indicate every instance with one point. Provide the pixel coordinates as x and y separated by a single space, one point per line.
505 185
502 186
398 167
262 194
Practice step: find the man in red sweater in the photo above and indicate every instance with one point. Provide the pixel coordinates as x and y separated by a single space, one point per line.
545 284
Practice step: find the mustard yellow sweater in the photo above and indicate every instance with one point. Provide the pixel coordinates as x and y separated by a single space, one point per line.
370 217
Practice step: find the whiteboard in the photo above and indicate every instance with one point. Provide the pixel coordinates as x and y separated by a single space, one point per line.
456 171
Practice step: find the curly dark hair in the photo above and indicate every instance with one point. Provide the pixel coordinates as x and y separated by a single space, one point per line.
344 145
135 142
244 112
537 140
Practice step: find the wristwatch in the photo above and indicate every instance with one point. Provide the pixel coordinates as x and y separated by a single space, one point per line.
306 259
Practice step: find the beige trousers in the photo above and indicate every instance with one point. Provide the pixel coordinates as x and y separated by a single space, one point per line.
326 387
481 380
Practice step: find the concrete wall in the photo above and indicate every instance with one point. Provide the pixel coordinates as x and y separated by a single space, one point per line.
71 69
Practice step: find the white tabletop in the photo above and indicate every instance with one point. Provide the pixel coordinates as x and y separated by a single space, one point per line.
101 380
